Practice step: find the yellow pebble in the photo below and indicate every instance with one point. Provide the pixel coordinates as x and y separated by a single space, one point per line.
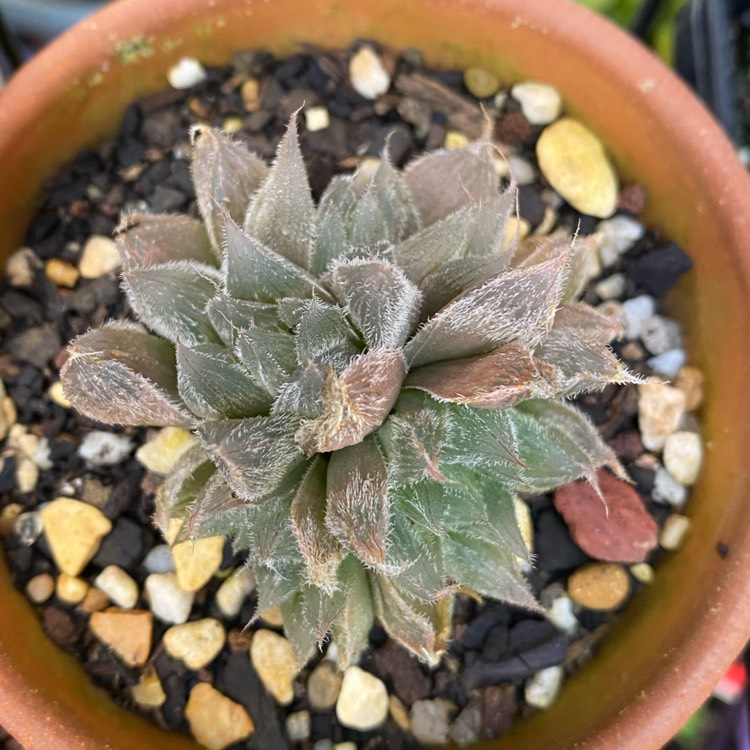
57 395
574 162
599 586
61 273
454 139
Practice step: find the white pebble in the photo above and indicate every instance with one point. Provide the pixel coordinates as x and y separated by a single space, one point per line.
642 572
667 489
542 688
27 475
298 726
186 73
683 455
105 448
619 233
660 409
668 364
121 589
167 600
540 103
40 588
636 311
430 720
20 266
316 118
159 560
561 614
611 287
522 170
673 532
232 593
99 257
363 700
660 335
367 73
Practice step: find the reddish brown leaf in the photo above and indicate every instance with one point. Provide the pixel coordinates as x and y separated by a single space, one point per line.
496 380
356 402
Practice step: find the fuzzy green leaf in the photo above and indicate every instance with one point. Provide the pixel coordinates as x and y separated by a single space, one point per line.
516 306
299 627
580 251
455 277
264 530
323 335
214 385
355 403
413 442
302 395
382 302
268 356
228 316
420 627
443 181
320 551
557 444
481 437
254 454
255 272
213 512
226 175
396 201
171 298
119 374
496 380
282 214
352 627
149 239
334 217
415 561
488 569
358 509
577 348
274 587
481 505
179 490
424 252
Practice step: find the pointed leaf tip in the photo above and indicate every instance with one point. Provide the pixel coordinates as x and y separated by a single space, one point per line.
282 214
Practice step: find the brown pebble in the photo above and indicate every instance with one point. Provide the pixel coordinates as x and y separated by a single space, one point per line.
94 601
627 445
615 527
690 382
60 626
513 128
239 640
499 709
599 586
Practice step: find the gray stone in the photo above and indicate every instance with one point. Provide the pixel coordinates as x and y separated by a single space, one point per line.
667 489
660 335
430 721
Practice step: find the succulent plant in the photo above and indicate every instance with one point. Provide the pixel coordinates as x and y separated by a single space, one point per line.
372 381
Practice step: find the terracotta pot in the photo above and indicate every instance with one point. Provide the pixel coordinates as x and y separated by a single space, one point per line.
676 639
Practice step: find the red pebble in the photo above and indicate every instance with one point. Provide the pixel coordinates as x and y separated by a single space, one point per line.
632 199
615 528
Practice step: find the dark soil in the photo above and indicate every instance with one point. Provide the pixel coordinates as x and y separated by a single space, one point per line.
146 165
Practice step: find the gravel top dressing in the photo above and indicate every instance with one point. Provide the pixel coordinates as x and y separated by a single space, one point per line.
164 630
